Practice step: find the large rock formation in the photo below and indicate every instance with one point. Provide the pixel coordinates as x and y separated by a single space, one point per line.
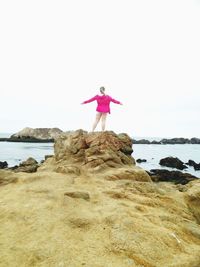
104 152
37 133
89 205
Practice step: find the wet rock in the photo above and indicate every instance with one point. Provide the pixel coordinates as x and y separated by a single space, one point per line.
141 160
172 163
177 177
193 164
195 140
3 164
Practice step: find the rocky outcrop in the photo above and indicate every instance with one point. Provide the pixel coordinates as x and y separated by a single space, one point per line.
89 205
177 177
104 152
37 133
173 163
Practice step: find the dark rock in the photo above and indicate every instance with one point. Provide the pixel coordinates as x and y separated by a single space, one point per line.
141 160
158 175
195 140
193 164
141 141
172 163
3 164
156 142
173 141
48 156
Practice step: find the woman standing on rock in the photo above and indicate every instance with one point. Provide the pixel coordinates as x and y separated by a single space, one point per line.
103 107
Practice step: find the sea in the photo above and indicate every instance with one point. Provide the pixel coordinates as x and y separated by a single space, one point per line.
14 153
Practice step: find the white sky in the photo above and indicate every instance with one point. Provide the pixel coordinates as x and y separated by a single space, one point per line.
56 54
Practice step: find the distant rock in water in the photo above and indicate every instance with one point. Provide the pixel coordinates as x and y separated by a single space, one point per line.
179 140
141 160
193 164
158 175
195 140
166 141
172 163
141 141
37 133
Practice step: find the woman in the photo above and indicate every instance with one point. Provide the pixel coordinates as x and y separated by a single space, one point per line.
103 107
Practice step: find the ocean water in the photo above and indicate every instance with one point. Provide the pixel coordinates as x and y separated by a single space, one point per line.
14 153
153 154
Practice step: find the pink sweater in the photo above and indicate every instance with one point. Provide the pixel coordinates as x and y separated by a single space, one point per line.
103 102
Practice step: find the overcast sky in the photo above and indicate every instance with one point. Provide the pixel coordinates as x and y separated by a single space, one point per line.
56 54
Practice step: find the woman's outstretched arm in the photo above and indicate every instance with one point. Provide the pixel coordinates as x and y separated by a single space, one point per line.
90 100
115 101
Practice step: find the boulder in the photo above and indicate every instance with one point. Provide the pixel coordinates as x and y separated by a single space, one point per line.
195 140
172 163
177 177
37 133
193 164
3 164
29 165
141 160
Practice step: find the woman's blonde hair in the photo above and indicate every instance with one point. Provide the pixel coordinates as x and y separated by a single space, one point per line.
102 90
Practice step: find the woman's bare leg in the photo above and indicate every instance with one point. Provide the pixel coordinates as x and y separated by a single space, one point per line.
103 121
98 117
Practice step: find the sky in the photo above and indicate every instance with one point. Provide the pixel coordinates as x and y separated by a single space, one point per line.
56 54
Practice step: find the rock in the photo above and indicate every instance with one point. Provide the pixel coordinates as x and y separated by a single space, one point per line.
78 194
156 142
6 177
28 162
195 140
37 133
99 149
193 164
193 200
173 141
172 163
141 160
48 156
177 177
29 165
133 174
3 164
141 141
68 170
